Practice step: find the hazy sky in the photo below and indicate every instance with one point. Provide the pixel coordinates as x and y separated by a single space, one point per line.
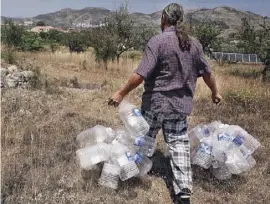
30 8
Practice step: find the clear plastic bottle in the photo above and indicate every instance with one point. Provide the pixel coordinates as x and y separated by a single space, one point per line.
236 161
128 167
147 145
143 163
121 155
202 155
221 142
197 134
221 171
247 143
110 175
124 137
95 135
89 156
133 119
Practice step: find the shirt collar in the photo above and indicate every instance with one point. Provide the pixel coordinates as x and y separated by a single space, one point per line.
170 29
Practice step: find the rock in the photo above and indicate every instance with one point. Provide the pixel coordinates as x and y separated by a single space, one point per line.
17 76
13 68
12 83
28 74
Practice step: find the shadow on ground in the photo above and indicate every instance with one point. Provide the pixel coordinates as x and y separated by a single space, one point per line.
201 177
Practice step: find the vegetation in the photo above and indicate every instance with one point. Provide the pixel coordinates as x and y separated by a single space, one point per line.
39 128
119 34
41 23
208 34
255 41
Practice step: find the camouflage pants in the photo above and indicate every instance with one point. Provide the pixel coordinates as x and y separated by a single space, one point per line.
177 140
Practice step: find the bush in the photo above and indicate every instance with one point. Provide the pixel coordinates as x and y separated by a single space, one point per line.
8 56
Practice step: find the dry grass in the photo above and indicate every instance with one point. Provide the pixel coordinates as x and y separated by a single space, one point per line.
39 129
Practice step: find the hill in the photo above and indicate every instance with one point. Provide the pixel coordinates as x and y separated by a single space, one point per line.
227 18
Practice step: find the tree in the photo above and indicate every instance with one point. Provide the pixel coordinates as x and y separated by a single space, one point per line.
208 34
40 23
31 42
76 42
119 34
12 34
53 38
255 41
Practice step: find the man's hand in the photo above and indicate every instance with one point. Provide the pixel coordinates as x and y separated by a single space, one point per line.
134 81
116 99
216 98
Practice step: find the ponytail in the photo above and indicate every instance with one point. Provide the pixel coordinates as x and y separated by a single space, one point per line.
183 38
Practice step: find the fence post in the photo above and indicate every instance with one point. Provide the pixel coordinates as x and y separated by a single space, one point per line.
256 59
235 57
242 57
249 58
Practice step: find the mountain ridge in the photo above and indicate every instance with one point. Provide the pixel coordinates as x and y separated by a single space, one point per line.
227 18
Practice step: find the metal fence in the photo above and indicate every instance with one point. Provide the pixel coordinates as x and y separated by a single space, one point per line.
235 57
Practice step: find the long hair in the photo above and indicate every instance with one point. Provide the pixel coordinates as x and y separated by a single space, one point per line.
174 16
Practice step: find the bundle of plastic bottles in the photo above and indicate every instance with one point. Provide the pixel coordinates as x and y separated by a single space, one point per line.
227 148
123 152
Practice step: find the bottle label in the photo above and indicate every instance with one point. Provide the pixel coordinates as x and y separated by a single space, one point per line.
205 148
206 131
139 141
239 140
138 157
224 137
129 156
137 112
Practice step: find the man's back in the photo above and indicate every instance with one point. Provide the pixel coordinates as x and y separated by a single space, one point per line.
170 72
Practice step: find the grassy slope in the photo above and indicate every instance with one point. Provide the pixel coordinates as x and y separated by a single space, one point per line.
39 129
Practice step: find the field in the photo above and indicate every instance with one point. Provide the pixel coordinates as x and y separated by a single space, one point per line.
39 127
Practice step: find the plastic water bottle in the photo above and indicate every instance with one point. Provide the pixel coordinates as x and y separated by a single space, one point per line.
245 142
110 175
251 161
94 135
147 145
133 119
128 167
222 140
197 134
124 137
236 161
122 155
202 155
143 163
221 171
89 156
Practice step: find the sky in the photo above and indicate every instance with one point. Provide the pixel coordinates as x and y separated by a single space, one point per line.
31 8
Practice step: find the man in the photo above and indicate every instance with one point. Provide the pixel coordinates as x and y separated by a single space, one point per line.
171 64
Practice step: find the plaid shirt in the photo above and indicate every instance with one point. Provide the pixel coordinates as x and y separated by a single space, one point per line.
170 74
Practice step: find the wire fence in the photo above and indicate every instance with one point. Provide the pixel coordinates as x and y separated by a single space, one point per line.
235 57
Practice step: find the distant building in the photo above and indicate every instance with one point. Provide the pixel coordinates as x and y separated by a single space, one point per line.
45 29
28 23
